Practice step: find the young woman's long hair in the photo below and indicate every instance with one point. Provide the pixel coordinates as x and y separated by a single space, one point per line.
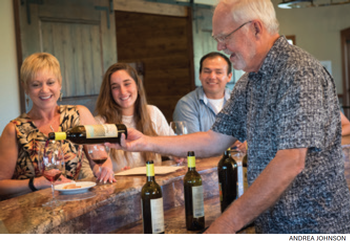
111 112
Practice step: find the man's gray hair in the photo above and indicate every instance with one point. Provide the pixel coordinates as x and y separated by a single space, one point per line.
247 10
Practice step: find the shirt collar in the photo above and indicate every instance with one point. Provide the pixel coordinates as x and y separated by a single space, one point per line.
271 59
204 98
202 95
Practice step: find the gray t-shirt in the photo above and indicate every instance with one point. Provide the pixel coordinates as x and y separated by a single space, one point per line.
291 102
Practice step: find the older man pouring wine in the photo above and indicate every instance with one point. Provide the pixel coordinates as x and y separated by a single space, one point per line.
286 107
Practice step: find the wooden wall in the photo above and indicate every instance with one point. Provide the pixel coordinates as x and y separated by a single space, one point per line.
78 34
164 45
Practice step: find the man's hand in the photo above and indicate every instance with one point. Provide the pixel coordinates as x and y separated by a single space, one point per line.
241 146
135 141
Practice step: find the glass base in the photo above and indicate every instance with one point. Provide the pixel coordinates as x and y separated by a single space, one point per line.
53 203
75 197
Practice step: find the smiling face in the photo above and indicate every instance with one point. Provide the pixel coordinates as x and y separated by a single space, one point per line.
44 89
124 91
214 77
240 45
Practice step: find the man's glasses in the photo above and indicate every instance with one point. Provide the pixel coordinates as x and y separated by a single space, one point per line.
223 38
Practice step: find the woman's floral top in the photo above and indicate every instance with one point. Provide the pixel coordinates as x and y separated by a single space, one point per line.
31 140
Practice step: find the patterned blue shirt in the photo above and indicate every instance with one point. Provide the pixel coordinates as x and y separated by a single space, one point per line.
195 109
291 102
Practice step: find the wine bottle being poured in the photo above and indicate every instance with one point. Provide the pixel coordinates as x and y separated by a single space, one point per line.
92 134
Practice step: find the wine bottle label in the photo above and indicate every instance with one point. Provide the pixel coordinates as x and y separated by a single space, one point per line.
191 160
150 169
157 215
240 178
101 131
197 201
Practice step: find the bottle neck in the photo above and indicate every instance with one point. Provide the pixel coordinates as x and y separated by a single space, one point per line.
191 161
191 168
150 171
150 179
57 135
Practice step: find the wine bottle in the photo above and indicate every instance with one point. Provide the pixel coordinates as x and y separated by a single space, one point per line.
152 204
92 134
227 174
194 201
245 169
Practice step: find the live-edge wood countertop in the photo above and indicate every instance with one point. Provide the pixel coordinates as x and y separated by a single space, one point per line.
109 207
116 208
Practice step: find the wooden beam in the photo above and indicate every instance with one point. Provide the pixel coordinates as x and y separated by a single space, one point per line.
141 6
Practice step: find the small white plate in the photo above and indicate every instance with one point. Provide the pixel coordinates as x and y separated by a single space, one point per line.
85 186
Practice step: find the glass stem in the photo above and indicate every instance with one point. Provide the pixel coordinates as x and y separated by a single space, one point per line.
53 191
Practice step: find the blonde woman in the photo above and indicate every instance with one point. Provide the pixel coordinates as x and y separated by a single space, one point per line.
122 99
19 143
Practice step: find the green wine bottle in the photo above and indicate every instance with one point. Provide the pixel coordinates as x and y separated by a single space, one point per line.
92 134
194 200
245 170
227 175
152 204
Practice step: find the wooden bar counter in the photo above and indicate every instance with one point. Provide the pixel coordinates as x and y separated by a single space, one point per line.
104 209
116 208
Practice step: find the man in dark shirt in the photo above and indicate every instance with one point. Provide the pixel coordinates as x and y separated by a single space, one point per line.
286 107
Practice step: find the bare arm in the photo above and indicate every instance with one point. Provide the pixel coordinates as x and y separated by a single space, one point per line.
263 193
8 159
204 144
107 173
345 125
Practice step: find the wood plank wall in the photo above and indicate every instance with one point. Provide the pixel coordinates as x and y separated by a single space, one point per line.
164 45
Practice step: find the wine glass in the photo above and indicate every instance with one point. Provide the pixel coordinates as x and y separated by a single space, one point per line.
178 128
98 153
238 156
52 166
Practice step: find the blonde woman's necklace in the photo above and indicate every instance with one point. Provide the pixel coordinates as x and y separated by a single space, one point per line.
53 130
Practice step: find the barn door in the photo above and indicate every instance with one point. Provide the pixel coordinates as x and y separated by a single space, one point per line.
163 44
80 33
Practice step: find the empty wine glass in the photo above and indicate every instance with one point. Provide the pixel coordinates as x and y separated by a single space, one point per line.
52 166
98 153
178 128
238 156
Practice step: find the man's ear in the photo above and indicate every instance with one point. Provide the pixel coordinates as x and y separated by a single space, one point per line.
229 76
258 28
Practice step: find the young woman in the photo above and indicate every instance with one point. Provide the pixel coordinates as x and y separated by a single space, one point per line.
122 99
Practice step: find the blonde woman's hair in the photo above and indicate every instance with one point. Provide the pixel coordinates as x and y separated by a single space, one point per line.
111 112
36 63
248 10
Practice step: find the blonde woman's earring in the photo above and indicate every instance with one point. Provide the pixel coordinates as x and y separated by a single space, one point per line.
61 94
